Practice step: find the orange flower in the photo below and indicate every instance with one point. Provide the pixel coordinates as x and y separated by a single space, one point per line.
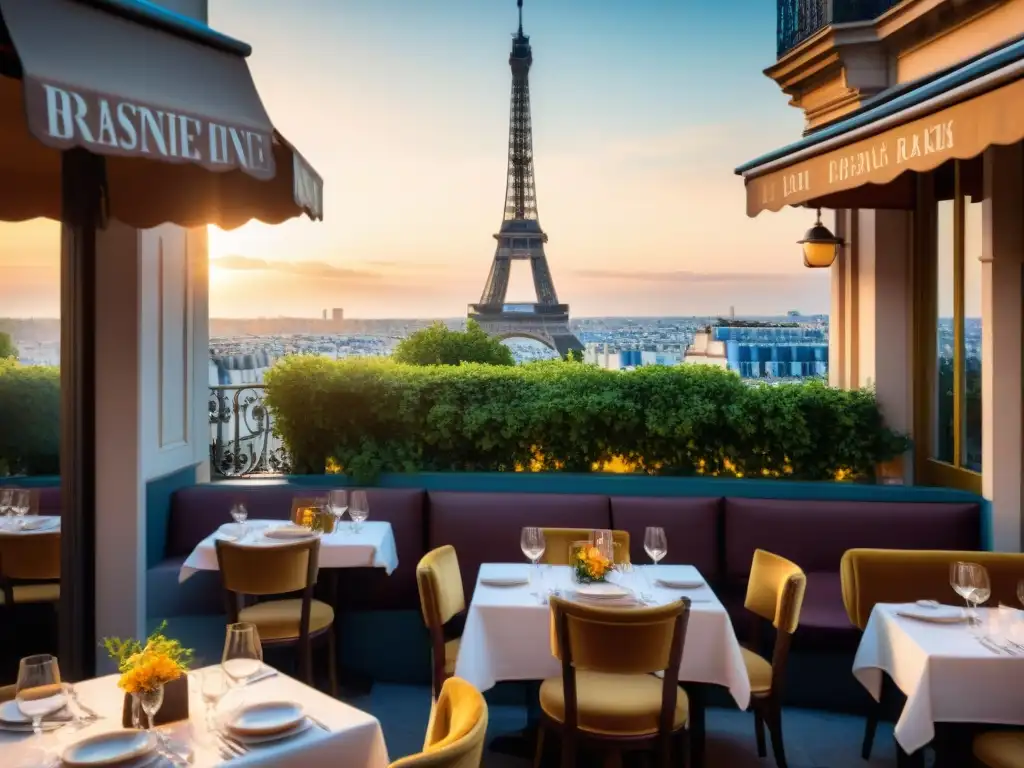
148 671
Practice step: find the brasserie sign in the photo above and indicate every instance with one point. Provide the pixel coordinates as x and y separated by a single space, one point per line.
961 131
112 126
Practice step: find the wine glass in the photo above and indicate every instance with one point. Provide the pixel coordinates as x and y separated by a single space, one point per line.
21 505
337 500
151 701
243 654
6 503
240 514
359 510
213 684
39 692
971 582
655 544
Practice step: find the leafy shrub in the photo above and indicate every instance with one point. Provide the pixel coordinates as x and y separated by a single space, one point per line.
7 348
29 418
438 345
369 416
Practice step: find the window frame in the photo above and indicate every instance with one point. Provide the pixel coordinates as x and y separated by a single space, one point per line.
930 470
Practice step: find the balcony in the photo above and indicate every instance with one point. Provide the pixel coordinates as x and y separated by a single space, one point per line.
242 442
798 20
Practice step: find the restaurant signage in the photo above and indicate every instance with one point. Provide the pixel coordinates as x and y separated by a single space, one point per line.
960 131
62 117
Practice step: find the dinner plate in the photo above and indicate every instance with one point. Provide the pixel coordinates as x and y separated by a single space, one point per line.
680 583
109 749
303 725
602 590
940 614
288 532
265 719
10 715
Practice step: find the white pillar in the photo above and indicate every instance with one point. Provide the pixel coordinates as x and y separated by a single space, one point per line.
838 325
1001 339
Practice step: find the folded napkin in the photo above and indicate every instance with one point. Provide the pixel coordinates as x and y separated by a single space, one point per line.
938 614
507 576
681 583
263 674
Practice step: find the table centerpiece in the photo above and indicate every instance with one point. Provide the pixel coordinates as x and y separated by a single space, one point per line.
589 563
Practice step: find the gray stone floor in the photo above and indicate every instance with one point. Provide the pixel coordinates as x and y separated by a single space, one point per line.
814 739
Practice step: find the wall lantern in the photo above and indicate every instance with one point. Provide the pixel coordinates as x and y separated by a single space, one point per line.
820 246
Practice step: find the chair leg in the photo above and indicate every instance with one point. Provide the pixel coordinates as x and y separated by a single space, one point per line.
870 726
762 749
306 660
665 751
774 722
332 660
568 749
538 755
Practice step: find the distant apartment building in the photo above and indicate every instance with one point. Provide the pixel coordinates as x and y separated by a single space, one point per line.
763 351
614 358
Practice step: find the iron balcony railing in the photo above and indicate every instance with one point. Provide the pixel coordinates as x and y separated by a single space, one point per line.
800 19
242 441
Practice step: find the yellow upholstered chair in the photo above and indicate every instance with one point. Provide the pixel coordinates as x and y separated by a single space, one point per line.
607 695
443 602
775 593
455 733
558 540
29 568
261 572
871 576
1000 749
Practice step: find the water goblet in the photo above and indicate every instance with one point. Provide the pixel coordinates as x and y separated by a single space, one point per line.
22 504
151 700
358 510
655 544
337 500
39 692
240 514
213 684
6 504
531 541
243 654
971 582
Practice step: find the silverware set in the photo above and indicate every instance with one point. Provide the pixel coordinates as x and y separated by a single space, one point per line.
229 747
1010 648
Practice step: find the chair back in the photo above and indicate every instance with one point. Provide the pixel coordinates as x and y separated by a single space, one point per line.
871 576
30 556
775 591
7 692
597 638
268 570
559 541
440 584
455 733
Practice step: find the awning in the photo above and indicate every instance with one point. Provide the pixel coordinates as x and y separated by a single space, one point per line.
860 161
165 102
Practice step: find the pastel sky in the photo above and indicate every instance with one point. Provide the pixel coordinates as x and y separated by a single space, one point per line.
641 109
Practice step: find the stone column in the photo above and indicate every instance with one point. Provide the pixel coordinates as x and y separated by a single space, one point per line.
1001 339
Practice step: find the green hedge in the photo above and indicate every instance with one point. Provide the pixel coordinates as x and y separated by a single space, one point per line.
29 419
375 415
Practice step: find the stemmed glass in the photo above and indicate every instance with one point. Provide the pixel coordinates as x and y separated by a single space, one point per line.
359 510
971 582
655 544
6 503
213 684
243 654
39 692
337 500
531 541
20 506
240 514
151 701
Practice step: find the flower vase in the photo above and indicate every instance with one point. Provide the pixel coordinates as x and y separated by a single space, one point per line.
175 706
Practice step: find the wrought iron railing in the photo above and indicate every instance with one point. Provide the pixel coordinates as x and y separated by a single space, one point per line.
242 441
800 19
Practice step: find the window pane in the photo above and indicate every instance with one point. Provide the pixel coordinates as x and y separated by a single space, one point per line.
942 445
971 409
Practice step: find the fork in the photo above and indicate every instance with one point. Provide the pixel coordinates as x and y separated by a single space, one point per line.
90 715
236 748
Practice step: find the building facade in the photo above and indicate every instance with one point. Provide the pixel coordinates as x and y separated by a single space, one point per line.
913 138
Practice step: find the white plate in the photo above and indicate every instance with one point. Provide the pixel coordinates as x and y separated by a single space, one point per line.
36 523
504 581
304 725
680 583
267 718
11 715
288 532
109 749
602 590
940 614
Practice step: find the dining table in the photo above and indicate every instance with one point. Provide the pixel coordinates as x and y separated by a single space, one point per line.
507 631
371 546
949 670
335 733
29 525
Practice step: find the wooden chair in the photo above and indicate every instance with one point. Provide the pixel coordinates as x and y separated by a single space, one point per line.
279 570
443 602
1000 749
608 695
455 733
558 540
775 593
29 568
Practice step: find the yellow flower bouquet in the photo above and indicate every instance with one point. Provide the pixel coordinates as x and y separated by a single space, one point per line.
150 666
589 564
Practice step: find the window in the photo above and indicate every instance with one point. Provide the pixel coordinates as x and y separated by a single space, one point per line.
948 307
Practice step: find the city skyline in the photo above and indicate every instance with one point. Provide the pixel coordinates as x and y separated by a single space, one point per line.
408 122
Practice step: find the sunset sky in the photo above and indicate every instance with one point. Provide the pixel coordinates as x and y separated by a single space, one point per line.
641 109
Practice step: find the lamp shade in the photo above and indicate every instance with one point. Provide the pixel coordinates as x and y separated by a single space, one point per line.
820 246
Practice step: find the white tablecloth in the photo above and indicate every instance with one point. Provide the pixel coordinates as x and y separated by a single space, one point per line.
372 547
507 635
945 672
8 525
355 738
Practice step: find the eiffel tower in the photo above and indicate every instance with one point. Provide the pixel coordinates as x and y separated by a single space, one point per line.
520 236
